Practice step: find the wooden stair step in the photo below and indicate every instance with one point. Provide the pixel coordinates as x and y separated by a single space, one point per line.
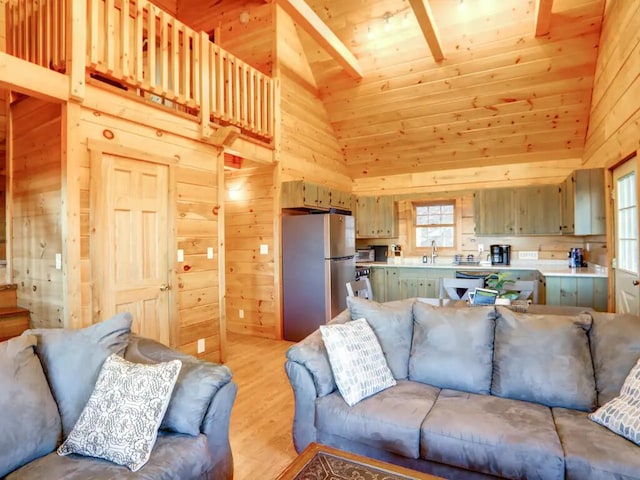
13 321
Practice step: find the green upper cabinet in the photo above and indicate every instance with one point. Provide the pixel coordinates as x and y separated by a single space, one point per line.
494 211
301 194
538 210
376 217
583 203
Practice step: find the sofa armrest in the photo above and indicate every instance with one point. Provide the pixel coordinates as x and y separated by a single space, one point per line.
311 353
201 401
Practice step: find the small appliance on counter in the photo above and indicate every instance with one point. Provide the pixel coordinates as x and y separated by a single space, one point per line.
500 254
365 255
380 252
576 258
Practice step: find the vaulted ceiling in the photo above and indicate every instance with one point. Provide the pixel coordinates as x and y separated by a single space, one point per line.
501 95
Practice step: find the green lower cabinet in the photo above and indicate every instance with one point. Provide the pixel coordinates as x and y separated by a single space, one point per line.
414 282
577 292
378 279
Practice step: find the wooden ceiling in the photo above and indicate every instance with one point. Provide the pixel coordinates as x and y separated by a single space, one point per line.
501 95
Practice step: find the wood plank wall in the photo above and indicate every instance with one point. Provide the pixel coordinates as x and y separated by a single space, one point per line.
37 209
614 121
169 6
251 41
249 276
196 186
3 33
308 147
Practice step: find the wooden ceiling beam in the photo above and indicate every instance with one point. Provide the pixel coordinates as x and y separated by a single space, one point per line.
423 14
543 17
309 21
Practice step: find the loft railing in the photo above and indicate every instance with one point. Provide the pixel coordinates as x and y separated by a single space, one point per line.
35 32
138 46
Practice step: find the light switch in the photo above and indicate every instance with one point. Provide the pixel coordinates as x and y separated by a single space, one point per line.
264 249
180 255
210 253
241 313
58 261
200 345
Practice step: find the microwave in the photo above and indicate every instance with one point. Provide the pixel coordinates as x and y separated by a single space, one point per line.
364 256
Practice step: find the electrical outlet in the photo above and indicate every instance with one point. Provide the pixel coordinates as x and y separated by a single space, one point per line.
210 253
480 248
241 313
58 261
533 255
264 249
180 255
200 345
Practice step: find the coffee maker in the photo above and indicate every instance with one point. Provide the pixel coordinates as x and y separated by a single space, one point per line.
500 254
576 258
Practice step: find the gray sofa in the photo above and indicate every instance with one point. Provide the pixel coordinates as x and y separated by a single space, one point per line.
481 392
47 376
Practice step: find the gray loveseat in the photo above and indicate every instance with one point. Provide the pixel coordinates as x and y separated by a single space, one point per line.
47 376
481 392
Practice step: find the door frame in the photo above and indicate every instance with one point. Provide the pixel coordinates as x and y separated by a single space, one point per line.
97 251
611 226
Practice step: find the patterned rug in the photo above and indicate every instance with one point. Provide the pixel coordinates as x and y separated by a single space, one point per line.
324 466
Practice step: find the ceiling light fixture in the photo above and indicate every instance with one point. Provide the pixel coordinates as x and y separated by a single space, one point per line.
461 5
387 21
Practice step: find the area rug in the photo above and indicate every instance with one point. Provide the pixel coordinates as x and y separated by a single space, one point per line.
324 466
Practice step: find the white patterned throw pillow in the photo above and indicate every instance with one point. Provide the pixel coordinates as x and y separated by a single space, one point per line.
357 360
621 415
121 419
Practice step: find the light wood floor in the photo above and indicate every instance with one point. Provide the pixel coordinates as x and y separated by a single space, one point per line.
262 414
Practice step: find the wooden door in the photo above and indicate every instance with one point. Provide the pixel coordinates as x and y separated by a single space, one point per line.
131 267
625 185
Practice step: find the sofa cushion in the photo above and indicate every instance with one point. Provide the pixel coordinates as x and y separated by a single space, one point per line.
197 383
389 420
592 451
121 419
497 436
174 457
29 418
621 415
615 345
72 359
357 361
453 347
393 324
544 359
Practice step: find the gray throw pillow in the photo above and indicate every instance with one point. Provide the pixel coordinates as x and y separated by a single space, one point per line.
544 359
453 347
29 419
72 359
393 325
615 346
120 421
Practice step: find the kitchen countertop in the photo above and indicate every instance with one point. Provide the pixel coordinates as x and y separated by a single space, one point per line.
548 269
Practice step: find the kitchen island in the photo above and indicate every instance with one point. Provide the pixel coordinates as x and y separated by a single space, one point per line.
557 283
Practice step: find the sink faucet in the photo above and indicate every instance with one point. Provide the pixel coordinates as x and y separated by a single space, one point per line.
434 251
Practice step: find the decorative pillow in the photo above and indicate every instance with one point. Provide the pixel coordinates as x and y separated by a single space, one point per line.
121 419
357 361
29 418
622 414
72 359
453 347
544 359
392 323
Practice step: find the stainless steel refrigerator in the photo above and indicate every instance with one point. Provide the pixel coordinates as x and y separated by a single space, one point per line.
318 259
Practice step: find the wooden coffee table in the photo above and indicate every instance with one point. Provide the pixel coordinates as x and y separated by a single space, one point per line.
321 462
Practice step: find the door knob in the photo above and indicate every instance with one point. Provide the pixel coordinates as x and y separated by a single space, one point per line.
636 283
164 287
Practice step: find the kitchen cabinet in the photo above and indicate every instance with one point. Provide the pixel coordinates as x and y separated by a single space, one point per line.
577 292
378 279
301 194
534 210
494 211
538 210
583 203
406 282
376 217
